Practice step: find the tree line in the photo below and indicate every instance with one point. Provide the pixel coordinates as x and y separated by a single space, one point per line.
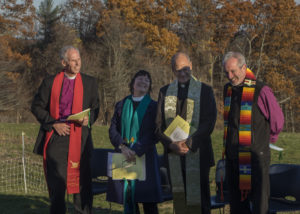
116 38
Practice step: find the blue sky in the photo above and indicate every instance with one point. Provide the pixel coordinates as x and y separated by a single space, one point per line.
56 2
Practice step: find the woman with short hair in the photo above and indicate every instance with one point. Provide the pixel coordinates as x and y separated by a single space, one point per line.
132 133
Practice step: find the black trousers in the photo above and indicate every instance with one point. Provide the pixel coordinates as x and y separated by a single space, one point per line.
149 208
258 199
57 159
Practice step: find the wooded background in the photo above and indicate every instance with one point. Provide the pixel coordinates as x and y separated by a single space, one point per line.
116 38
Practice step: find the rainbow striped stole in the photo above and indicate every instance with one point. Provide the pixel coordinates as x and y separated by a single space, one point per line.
244 131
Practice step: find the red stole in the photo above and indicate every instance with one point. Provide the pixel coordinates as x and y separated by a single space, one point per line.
73 169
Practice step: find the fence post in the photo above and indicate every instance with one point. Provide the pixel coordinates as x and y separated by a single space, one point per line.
23 160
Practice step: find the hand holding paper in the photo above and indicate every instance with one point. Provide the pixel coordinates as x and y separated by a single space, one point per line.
82 118
119 168
178 131
83 122
128 153
79 116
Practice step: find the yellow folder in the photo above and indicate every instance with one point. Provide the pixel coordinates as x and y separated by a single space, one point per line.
178 129
119 168
80 115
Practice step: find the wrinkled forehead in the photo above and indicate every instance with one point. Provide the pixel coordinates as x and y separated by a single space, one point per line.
72 53
231 63
182 61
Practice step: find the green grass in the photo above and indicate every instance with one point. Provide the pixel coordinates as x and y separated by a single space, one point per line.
10 142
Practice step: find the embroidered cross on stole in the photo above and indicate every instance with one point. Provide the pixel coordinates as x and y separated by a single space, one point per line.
245 131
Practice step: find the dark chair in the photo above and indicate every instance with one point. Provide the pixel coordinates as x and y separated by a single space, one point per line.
216 200
165 182
99 170
284 188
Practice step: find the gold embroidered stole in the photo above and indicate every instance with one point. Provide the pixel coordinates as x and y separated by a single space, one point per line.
192 162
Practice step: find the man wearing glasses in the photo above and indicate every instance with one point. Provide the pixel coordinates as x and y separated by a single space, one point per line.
189 160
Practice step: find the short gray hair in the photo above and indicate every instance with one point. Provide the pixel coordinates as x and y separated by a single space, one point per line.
174 58
237 55
64 51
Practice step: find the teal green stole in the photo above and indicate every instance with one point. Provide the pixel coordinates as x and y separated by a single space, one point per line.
130 126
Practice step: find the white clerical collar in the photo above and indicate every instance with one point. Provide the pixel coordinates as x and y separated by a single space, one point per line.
183 85
137 99
71 78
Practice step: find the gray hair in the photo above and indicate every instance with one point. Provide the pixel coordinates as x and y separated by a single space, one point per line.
237 55
174 58
64 51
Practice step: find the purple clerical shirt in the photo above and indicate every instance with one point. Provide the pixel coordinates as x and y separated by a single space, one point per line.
66 99
272 112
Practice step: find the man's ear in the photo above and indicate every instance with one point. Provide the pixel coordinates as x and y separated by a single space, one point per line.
191 66
64 63
244 68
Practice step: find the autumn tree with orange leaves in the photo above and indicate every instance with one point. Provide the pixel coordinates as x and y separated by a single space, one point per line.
270 42
153 18
279 56
16 25
118 37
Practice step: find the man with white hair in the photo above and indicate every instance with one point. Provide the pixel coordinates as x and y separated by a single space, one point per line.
66 145
252 119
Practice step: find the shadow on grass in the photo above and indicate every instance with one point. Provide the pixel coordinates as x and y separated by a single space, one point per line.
105 210
96 210
25 204
33 204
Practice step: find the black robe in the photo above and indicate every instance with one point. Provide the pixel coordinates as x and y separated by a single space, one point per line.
145 191
260 154
41 109
58 146
201 138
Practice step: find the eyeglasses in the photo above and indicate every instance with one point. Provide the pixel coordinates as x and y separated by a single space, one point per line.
185 69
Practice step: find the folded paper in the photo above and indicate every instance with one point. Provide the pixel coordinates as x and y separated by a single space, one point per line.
119 168
80 115
178 129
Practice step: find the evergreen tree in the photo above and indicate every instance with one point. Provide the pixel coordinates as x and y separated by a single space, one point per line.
48 16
